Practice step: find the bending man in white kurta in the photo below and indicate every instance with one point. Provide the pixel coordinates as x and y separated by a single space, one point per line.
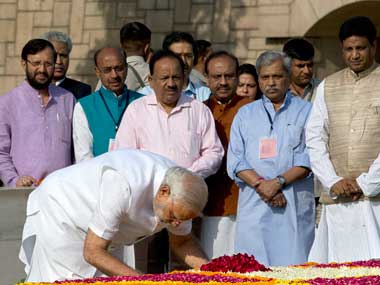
80 217
343 139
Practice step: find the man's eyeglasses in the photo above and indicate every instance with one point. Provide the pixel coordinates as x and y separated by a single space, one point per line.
117 69
37 64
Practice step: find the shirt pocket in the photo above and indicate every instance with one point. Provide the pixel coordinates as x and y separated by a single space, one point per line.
189 144
374 107
63 127
294 134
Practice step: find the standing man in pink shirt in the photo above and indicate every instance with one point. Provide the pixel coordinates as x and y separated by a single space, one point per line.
170 123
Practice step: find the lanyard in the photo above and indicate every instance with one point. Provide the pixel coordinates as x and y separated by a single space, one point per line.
116 123
269 117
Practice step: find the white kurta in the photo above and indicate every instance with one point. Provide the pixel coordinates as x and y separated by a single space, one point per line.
347 231
111 194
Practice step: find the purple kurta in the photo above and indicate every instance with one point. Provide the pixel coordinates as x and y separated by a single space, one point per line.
34 140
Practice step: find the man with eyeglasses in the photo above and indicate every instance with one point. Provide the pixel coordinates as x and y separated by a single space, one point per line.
183 45
97 116
63 45
80 218
35 121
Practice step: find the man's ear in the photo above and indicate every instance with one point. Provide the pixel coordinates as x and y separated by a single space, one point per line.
164 190
97 72
146 50
23 65
207 79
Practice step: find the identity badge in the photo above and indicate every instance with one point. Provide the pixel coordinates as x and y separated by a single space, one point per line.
268 147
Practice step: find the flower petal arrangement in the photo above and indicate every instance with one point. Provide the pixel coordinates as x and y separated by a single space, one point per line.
241 263
245 269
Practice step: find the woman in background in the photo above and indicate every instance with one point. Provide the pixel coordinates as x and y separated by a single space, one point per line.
248 82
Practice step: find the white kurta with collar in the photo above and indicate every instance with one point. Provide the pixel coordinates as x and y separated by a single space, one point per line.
111 194
347 231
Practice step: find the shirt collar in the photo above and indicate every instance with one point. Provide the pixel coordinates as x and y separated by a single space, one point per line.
360 75
183 101
232 99
108 92
135 58
35 94
59 81
268 103
190 89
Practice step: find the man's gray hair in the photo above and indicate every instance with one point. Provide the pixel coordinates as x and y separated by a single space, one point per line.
58 37
187 188
269 57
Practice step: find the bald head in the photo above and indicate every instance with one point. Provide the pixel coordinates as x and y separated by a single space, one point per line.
111 68
100 53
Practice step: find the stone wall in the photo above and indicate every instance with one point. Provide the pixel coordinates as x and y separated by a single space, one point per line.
244 27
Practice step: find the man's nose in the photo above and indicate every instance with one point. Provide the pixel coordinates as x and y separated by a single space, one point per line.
307 70
183 57
355 53
59 59
114 73
223 80
42 67
171 82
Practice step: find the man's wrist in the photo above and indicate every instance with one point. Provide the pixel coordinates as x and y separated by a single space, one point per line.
257 181
281 181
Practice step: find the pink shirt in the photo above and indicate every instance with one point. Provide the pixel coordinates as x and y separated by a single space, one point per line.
187 135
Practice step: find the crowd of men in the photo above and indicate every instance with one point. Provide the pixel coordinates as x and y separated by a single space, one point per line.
267 140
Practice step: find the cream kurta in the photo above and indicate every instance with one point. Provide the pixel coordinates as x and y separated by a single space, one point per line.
347 231
111 194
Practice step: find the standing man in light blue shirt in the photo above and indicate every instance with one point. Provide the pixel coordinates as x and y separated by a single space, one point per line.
267 158
183 45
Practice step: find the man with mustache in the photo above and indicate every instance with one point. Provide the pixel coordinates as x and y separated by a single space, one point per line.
97 116
218 222
170 123
303 83
267 158
63 45
183 45
35 121
343 139
302 80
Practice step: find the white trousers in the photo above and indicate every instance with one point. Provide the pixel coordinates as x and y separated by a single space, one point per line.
218 235
347 232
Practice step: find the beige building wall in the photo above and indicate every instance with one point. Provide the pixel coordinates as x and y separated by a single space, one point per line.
244 27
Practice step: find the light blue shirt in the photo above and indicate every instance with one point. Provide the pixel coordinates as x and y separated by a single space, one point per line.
193 89
275 236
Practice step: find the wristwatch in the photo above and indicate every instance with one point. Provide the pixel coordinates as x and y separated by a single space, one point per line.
281 180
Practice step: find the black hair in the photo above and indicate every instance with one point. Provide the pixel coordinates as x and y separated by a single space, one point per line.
177 37
160 54
34 46
135 31
358 26
202 46
221 54
248 68
122 52
299 48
